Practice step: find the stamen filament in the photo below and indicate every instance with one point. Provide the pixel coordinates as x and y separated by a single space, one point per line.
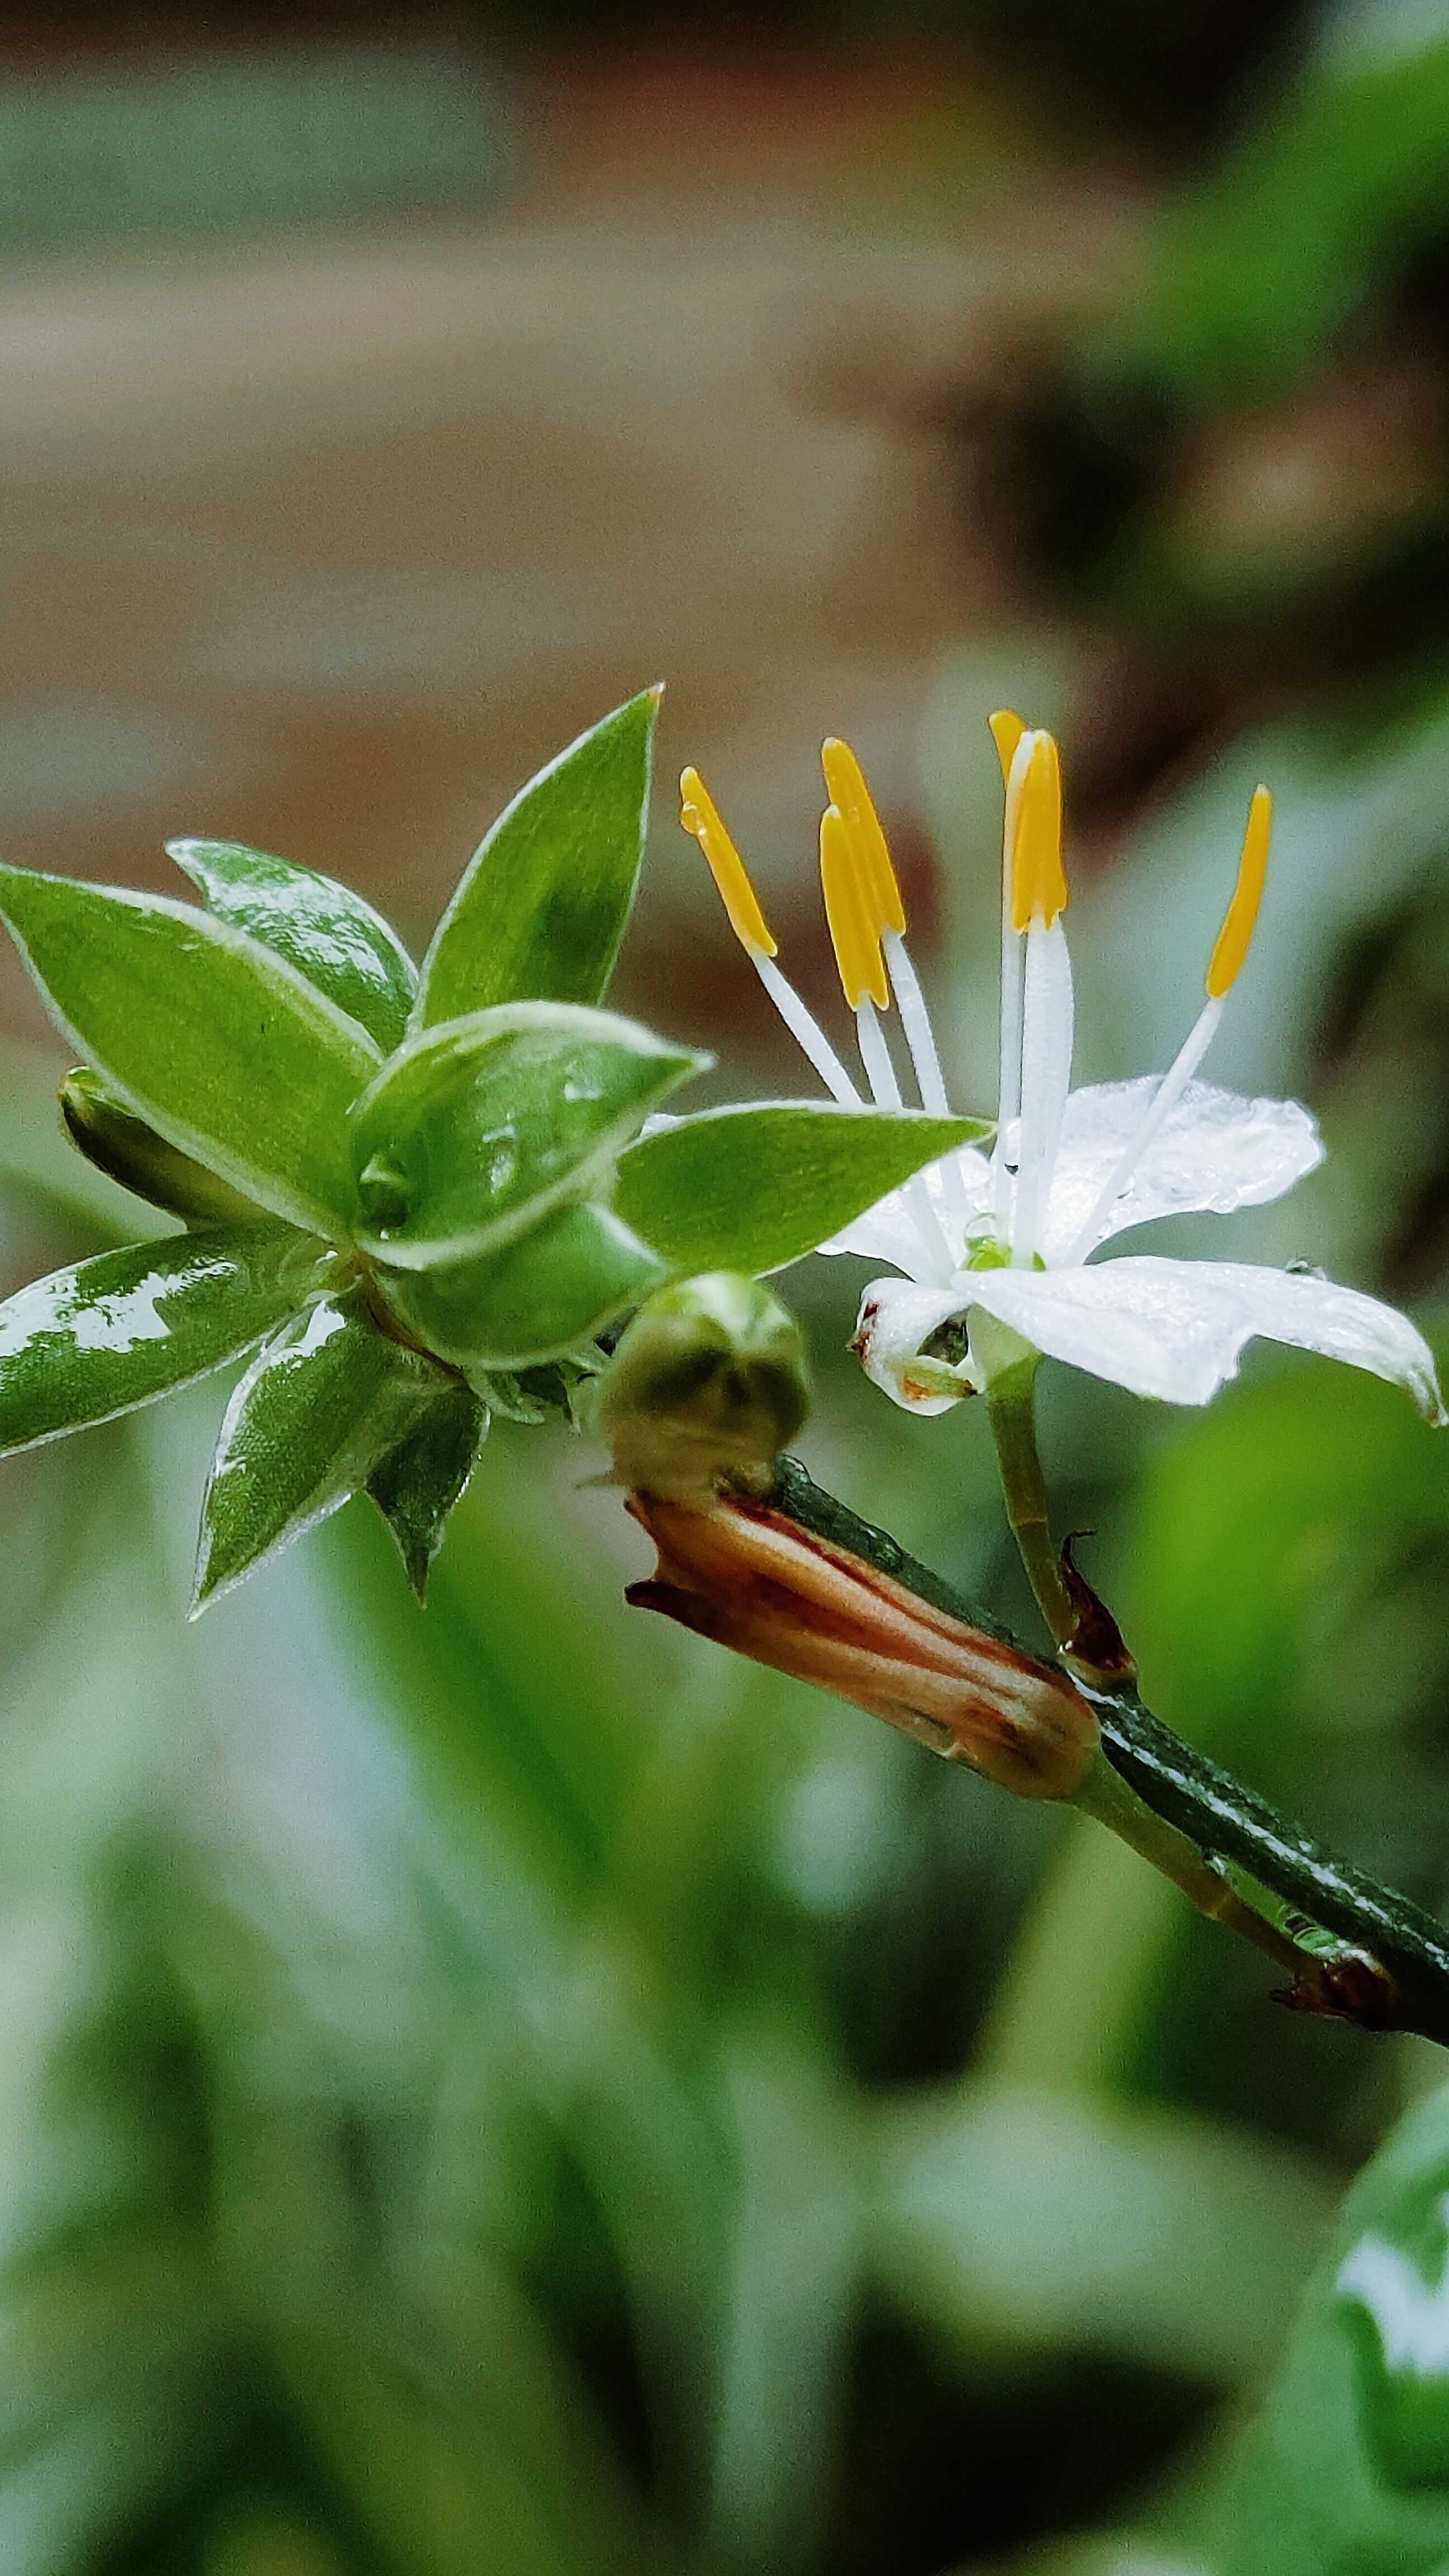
1224 966
1169 1091
1009 735
1046 1073
931 1082
885 1091
805 1029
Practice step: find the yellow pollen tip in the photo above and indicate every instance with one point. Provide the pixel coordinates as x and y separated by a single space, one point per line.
849 794
854 924
698 815
1006 733
1240 919
1038 879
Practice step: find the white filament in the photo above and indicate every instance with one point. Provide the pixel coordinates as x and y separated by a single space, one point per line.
885 1091
1046 1074
1169 1091
920 1038
805 1029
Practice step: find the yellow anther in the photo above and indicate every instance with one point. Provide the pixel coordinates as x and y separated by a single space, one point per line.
1006 733
849 794
1241 916
1038 880
854 927
698 814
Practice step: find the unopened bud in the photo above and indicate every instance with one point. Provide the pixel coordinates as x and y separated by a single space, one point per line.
707 1386
752 1578
123 1147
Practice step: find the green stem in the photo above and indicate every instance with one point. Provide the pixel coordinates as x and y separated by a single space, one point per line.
1011 1410
1217 1816
1106 1795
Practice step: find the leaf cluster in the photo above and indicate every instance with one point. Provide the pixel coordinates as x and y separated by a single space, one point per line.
406 1189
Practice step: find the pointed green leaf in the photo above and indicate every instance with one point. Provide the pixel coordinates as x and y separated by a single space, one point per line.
106 1335
538 1298
218 1044
321 1404
472 1131
130 1152
752 1188
322 928
416 1485
541 909
1345 2472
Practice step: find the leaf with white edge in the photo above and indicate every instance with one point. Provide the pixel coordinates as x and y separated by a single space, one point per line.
540 1297
322 1403
218 1044
1346 2471
541 908
130 1152
118 1331
417 1484
755 1187
474 1130
322 928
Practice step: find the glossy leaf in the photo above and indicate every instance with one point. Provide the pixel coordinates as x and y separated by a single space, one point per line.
320 1406
322 928
127 1150
752 1188
475 1129
108 1334
417 1484
537 1298
541 909
1347 2471
210 1038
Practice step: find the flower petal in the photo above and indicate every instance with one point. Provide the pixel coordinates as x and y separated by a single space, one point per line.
1175 1329
895 1319
889 1231
1215 1151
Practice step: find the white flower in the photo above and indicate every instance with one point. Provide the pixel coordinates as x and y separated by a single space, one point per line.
1011 1236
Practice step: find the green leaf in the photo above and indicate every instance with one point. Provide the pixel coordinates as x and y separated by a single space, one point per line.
128 1151
214 1041
538 1298
474 1130
322 928
752 1188
108 1334
1347 2471
541 908
416 1485
319 1407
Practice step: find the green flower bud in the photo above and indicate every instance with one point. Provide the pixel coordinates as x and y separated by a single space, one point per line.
707 1386
123 1147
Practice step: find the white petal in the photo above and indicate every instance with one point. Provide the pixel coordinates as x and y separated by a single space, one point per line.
889 1231
1175 1329
895 1318
1215 1151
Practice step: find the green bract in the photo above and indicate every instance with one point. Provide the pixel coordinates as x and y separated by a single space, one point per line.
412 1189
750 1189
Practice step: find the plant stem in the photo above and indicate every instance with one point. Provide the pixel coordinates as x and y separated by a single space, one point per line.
1010 1405
1106 1795
1403 1952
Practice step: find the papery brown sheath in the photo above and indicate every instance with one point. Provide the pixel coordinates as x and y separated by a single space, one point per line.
754 1580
